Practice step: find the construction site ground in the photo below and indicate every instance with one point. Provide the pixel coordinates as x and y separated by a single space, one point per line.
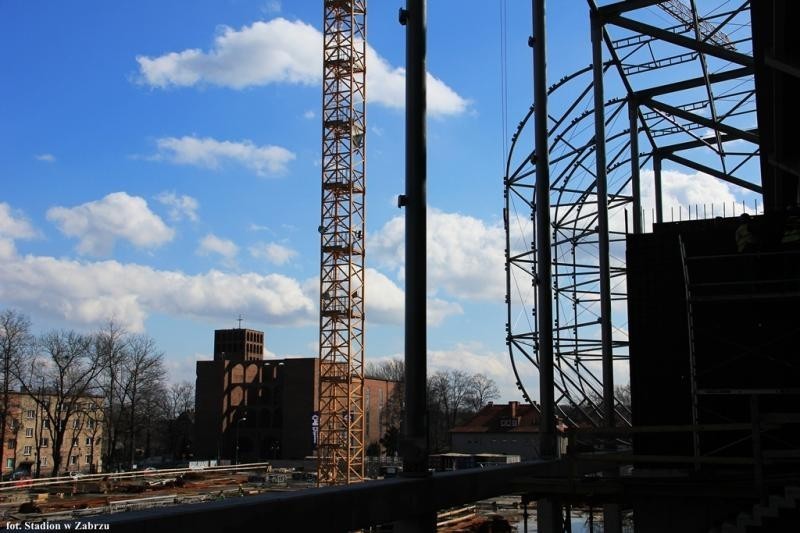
72 498
65 498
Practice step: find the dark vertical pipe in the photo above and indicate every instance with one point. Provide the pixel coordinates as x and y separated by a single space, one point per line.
633 114
548 510
657 177
415 421
416 344
544 300
602 222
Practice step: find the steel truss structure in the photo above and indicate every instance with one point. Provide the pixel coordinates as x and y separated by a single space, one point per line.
681 76
341 343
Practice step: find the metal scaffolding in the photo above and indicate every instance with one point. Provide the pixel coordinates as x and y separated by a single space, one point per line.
601 159
341 342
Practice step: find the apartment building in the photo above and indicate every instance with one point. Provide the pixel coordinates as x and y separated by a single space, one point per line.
31 431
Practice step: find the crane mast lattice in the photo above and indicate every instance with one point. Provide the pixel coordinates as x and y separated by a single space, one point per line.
341 361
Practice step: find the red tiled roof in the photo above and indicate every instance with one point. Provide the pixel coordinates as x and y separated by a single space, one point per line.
499 419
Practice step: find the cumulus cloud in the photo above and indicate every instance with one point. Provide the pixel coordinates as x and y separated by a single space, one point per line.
682 189
90 292
465 254
14 225
210 153
97 225
47 158
180 207
211 244
274 253
282 51
385 302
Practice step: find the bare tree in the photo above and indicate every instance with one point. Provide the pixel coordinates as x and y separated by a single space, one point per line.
15 341
110 344
58 376
179 399
145 374
391 370
177 419
482 390
451 389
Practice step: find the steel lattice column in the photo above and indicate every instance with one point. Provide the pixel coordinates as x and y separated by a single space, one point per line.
341 342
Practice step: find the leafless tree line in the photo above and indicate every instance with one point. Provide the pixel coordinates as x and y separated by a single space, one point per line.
110 385
454 396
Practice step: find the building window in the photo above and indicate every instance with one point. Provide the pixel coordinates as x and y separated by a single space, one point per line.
44 461
30 414
27 450
73 460
90 423
75 424
12 443
46 423
10 462
88 441
45 442
29 432
88 459
74 441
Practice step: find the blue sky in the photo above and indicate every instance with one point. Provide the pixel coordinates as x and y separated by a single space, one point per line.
160 165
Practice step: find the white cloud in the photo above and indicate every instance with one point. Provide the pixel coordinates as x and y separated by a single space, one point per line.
309 114
14 225
211 244
271 7
265 52
385 302
181 207
206 152
47 158
90 292
184 368
679 188
258 227
465 254
274 253
282 51
473 358
100 223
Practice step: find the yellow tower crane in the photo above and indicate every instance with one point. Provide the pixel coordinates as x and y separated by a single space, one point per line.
340 445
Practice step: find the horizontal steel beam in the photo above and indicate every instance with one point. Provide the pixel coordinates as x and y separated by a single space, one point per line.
693 83
699 143
681 40
713 172
699 119
342 508
625 5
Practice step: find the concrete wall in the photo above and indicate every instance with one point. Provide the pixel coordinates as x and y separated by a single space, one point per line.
526 445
